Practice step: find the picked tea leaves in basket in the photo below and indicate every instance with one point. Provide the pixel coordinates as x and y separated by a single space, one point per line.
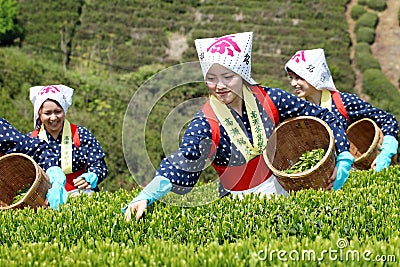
20 194
301 153
23 183
307 160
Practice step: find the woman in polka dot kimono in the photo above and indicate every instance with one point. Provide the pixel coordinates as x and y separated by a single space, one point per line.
81 156
13 141
310 77
232 129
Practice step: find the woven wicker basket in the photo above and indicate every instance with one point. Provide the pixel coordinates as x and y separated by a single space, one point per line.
18 171
289 141
365 139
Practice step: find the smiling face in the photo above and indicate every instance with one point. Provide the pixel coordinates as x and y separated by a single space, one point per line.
225 85
303 89
52 116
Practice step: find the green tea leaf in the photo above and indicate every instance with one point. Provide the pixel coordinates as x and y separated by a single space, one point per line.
306 161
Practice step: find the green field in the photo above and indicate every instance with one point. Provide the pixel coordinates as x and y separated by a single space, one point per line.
355 226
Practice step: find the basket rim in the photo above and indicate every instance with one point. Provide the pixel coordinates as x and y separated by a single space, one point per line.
328 153
375 140
33 186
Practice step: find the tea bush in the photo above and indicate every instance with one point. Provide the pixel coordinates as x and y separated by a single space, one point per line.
378 86
90 230
365 35
378 5
357 11
368 19
365 59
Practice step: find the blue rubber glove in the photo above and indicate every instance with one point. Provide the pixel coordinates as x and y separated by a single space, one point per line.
156 189
389 149
91 178
343 164
57 195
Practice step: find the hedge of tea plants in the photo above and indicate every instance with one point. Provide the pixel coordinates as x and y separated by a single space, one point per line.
373 78
122 36
358 225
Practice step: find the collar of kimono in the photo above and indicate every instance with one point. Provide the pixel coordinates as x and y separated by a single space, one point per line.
66 146
326 99
235 132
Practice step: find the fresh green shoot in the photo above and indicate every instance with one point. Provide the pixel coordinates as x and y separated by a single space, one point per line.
306 161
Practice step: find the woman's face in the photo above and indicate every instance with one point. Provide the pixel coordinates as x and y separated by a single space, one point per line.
301 86
225 84
52 116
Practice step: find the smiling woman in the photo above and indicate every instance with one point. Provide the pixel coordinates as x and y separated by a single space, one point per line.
52 116
232 130
226 86
312 80
81 156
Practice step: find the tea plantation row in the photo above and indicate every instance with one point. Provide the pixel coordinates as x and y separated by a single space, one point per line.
357 226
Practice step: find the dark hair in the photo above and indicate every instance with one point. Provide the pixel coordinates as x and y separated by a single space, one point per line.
52 100
289 70
38 123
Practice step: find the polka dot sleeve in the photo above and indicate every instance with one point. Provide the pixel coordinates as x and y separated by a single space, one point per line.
289 106
183 168
358 109
91 154
13 141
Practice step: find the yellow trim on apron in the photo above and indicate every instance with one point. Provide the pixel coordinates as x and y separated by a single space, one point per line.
66 146
326 99
235 132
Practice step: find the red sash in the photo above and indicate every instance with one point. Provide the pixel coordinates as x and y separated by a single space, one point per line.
74 132
339 104
253 173
69 185
243 177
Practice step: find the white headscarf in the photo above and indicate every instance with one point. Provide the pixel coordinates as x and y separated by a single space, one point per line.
60 93
231 51
311 66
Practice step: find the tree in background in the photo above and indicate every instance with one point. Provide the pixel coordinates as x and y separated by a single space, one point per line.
9 28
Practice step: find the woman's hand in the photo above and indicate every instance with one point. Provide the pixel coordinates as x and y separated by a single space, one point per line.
81 183
388 150
154 190
373 165
138 206
46 204
331 179
344 162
